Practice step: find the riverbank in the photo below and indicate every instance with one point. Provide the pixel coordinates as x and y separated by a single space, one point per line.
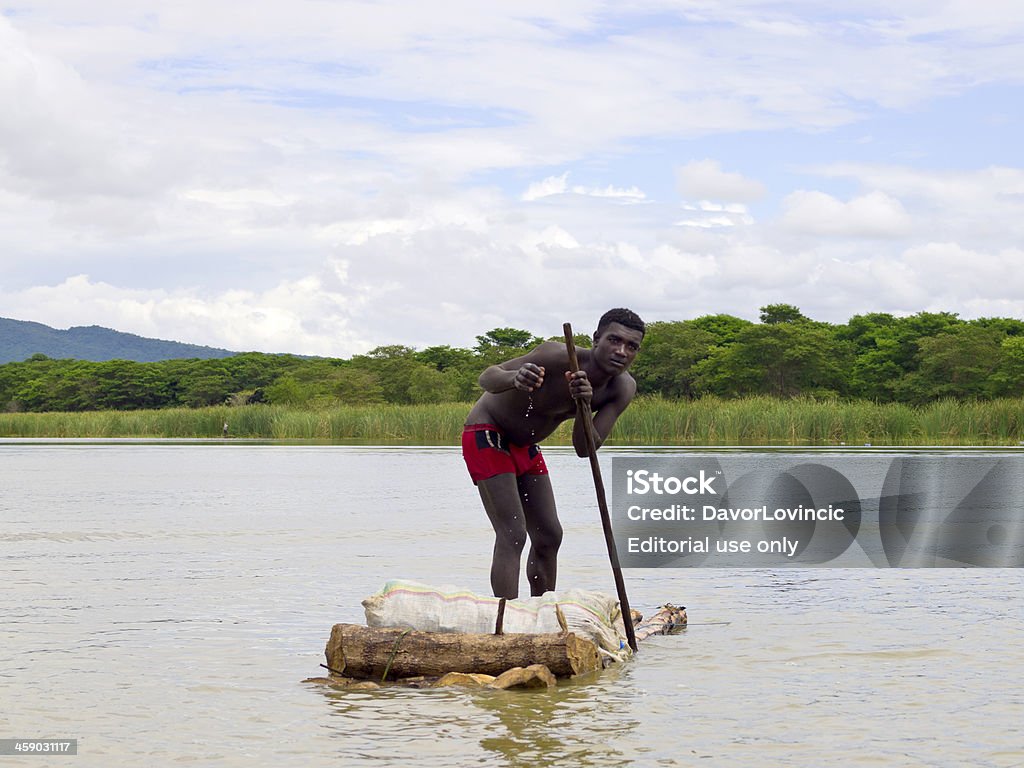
649 421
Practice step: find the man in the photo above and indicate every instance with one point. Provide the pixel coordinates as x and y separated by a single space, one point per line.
524 401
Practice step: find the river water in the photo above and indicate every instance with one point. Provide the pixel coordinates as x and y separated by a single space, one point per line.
162 603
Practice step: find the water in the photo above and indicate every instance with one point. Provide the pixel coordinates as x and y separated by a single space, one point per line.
162 603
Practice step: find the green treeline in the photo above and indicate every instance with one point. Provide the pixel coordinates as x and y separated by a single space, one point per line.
914 360
393 374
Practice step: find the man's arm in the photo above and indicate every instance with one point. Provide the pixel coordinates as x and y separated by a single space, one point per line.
525 373
606 417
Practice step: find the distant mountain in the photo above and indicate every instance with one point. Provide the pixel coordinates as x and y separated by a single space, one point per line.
19 340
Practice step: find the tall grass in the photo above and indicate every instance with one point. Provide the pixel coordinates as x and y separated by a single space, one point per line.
411 424
649 421
770 421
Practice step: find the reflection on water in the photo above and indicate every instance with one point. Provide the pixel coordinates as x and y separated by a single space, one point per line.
165 601
581 721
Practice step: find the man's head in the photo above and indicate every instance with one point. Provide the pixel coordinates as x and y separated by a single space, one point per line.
626 317
617 340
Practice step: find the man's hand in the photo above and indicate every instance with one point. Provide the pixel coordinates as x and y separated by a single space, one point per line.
529 377
579 385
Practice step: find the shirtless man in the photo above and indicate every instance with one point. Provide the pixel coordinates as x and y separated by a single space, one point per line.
524 400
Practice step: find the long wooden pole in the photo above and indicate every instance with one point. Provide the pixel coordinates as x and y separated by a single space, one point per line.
583 412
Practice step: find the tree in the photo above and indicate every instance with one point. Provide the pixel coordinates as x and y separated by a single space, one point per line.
862 330
432 386
581 340
397 368
354 385
126 385
874 343
773 314
253 370
286 391
513 338
910 330
205 386
1010 326
958 364
445 357
668 354
1008 378
783 359
724 328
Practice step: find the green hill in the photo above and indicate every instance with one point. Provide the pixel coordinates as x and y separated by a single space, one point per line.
20 339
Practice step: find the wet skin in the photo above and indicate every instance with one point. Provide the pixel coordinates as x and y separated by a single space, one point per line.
527 398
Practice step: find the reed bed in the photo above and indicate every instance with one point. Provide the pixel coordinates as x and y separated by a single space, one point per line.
649 421
434 424
770 421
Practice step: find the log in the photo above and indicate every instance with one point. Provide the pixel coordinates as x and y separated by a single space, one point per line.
464 679
533 676
668 619
369 652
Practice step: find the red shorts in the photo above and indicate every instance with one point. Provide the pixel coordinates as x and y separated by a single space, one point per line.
488 453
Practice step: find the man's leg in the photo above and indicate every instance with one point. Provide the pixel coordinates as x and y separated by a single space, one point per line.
500 495
545 532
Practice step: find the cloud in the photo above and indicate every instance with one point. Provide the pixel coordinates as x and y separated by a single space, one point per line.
959 275
552 236
874 215
938 186
559 185
52 141
327 177
619 193
294 316
706 179
710 215
552 185
981 208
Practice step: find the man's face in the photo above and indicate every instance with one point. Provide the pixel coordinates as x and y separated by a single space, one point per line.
616 347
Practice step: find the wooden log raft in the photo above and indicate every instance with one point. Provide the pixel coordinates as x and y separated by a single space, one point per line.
666 621
370 652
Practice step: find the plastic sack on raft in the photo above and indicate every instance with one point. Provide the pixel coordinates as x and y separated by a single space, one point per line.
591 615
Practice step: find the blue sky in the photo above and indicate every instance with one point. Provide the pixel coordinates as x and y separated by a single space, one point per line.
326 177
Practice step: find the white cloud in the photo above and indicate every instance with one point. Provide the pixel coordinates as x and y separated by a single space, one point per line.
958 274
552 236
552 185
874 215
294 316
234 199
711 215
327 177
713 207
942 187
620 193
979 208
559 185
708 222
706 179
54 141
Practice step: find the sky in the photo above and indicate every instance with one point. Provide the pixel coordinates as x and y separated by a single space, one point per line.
324 177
